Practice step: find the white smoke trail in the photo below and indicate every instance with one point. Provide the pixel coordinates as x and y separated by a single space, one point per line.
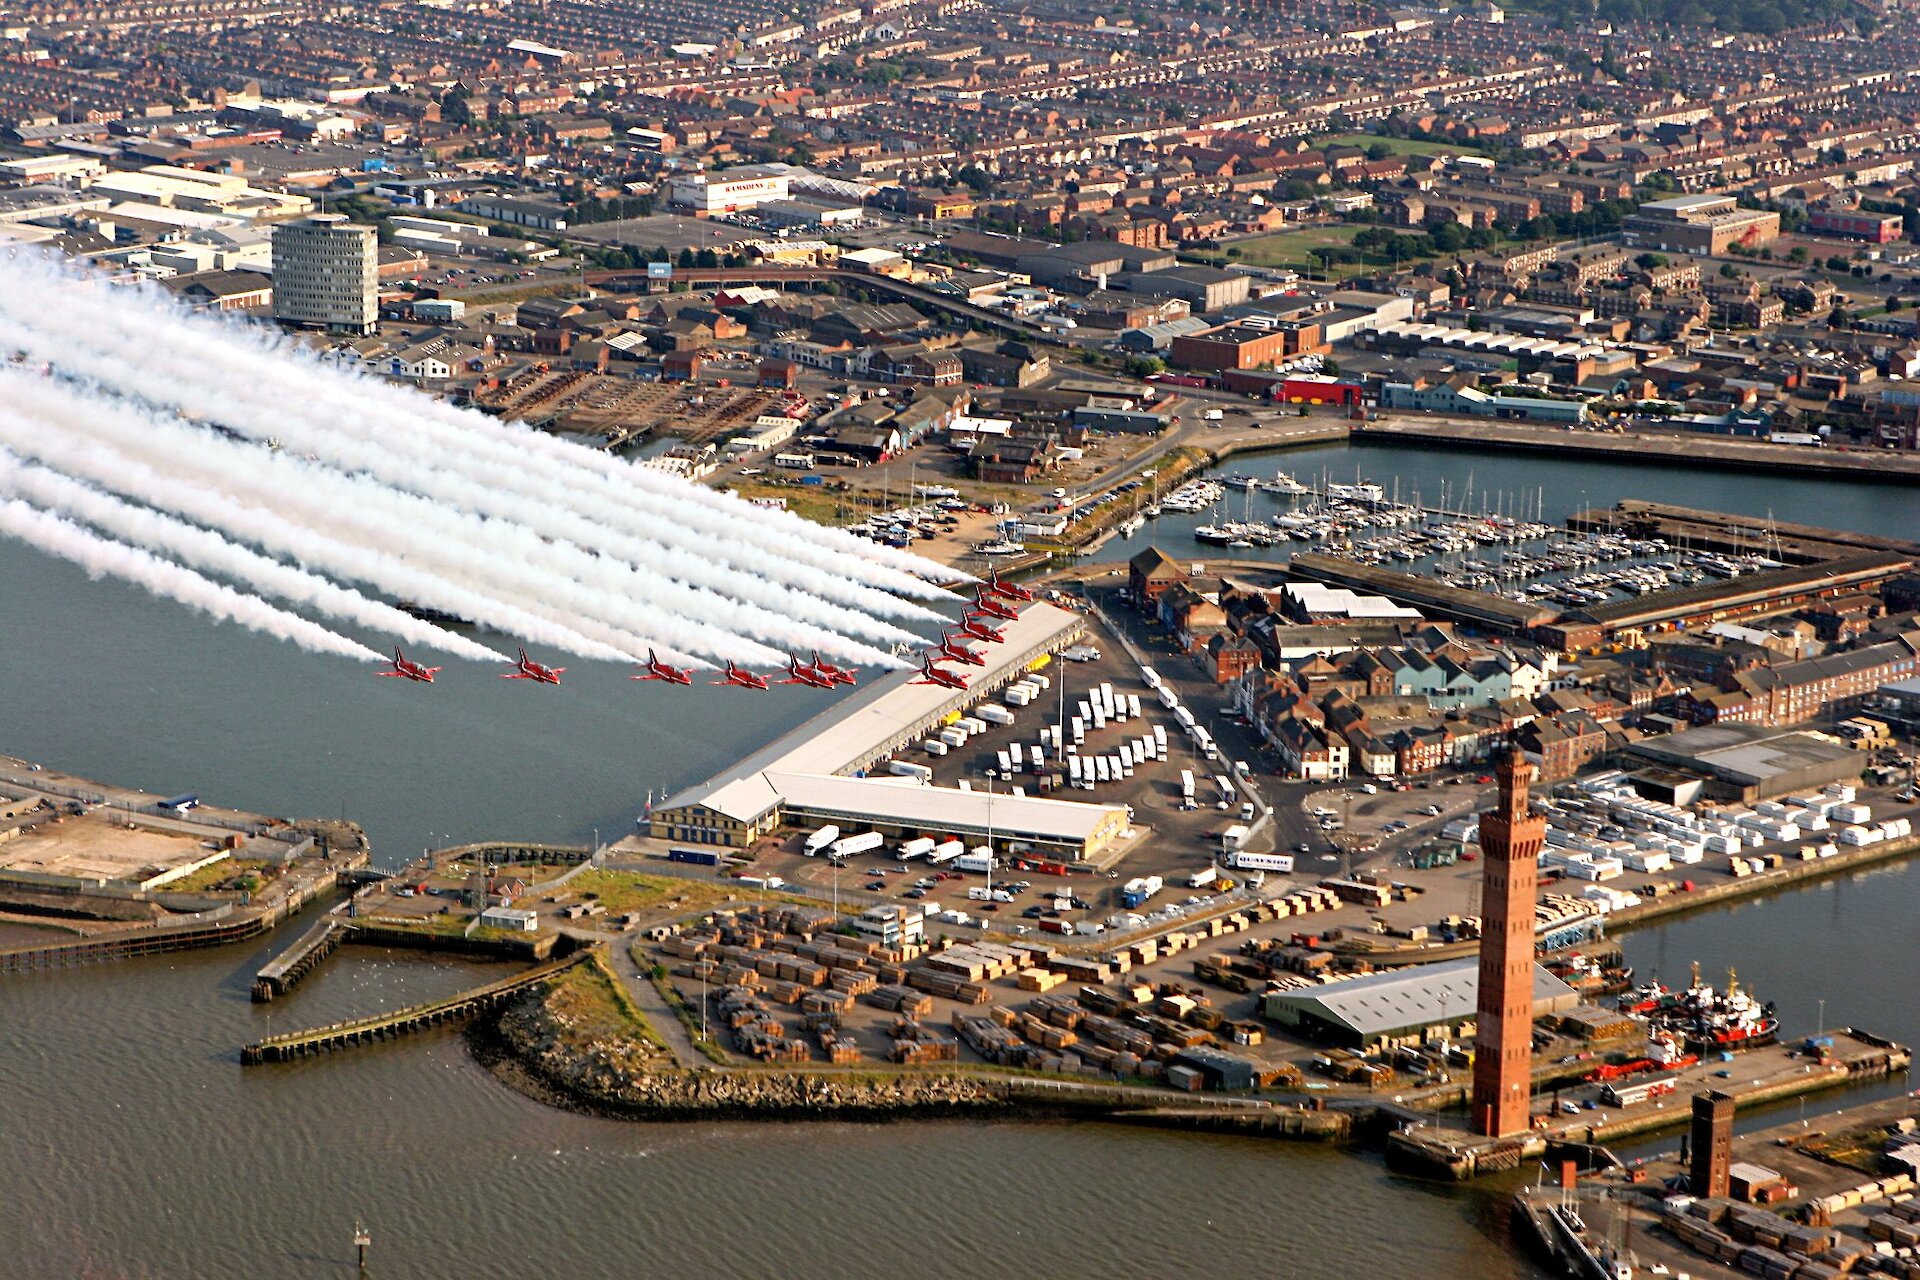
230 367
408 464
258 525
208 551
103 557
487 553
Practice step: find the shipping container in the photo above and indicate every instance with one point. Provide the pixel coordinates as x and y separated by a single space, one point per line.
995 715
694 857
946 851
1203 877
820 840
934 747
917 848
908 769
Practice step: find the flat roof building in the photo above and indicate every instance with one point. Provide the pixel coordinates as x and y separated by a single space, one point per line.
803 776
1404 1006
1747 762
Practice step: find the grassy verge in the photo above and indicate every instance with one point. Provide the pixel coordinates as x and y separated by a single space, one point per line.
1290 248
207 877
1401 146
623 891
590 994
809 502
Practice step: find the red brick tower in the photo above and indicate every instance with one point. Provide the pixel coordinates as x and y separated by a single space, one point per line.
1511 837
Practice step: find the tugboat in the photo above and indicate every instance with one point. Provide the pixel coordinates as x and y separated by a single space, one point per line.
1591 976
1709 1020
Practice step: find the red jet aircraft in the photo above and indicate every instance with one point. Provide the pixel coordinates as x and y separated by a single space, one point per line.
1011 591
984 603
409 669
934 675
806 673
948 651
839 675
973 626
531 670
658 670
744 679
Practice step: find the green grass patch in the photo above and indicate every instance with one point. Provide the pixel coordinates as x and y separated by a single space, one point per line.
1291 249
1400 146
207 877
809 502
590 996
623 891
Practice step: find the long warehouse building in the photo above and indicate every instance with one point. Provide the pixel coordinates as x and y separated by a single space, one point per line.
813 773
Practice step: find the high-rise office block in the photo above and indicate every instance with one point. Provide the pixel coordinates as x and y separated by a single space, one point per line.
1511 837
325 273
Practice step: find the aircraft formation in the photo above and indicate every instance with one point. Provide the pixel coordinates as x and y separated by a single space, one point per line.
994 599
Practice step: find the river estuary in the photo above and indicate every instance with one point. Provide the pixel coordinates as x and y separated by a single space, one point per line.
135 1146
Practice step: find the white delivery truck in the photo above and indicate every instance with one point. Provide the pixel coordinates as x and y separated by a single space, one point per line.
1240 860
865 842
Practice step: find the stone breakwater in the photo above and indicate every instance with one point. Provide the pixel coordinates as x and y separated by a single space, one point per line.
545 1054
534 1050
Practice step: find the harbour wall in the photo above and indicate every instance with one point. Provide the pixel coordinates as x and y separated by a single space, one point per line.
1877 466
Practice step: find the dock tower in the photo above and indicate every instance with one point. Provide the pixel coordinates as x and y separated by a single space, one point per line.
1511 837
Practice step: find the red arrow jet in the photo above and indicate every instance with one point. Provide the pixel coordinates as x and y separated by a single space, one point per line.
806 673
1010 590
744 679
984 603
973 626
658 670
528 669
408 669
935 675
948 651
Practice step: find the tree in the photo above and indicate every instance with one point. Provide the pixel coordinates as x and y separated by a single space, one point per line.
1379 151
1145 366
1651 261
1797 254
1838 263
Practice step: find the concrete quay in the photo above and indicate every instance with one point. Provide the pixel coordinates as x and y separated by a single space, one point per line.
1876 466
1753 1078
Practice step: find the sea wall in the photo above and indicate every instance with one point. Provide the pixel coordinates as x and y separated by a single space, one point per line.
540 1054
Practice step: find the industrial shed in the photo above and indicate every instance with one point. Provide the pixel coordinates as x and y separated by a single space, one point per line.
1405 1006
